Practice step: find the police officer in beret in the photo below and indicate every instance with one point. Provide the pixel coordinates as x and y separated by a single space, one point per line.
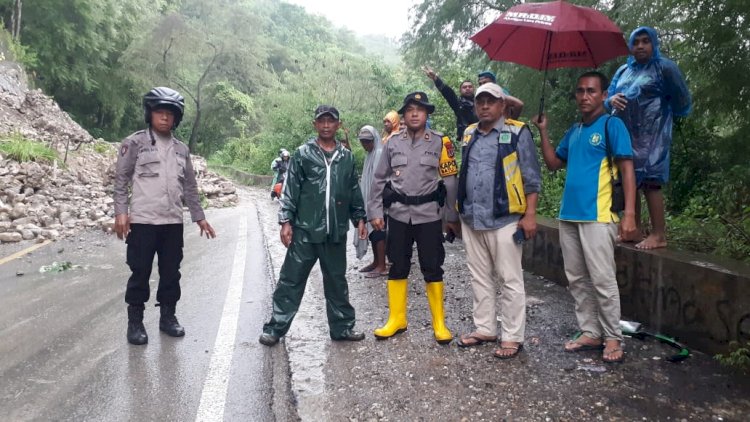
419 169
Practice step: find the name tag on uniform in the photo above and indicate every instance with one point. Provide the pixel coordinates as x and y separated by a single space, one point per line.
504 138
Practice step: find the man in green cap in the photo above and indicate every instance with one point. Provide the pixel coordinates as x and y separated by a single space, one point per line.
321 194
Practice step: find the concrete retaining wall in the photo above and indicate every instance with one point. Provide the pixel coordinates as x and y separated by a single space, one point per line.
242 177
702 300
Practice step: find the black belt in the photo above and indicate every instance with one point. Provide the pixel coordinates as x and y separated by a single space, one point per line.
415 200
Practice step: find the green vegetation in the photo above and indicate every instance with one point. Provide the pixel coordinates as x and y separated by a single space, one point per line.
737 358
21 149
102 147
708 197
252 71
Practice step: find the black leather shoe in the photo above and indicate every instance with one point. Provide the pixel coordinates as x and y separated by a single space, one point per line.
350 335
268 339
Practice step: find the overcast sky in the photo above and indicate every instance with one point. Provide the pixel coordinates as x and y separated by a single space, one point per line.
386 17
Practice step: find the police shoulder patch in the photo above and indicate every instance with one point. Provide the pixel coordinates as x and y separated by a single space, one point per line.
448 166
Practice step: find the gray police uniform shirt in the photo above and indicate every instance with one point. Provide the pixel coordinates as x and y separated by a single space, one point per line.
480 177
414 167
161 181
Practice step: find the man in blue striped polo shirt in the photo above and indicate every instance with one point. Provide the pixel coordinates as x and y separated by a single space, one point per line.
588 226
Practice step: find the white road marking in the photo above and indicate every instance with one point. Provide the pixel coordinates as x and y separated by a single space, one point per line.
214 395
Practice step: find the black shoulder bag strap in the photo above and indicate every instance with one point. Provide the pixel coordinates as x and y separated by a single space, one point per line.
609 150
618 196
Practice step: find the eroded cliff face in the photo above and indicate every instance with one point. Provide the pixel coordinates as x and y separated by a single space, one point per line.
40 200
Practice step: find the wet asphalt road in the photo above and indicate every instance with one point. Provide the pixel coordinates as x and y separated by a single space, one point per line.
63 353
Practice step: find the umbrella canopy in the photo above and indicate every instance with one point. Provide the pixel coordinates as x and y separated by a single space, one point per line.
552 35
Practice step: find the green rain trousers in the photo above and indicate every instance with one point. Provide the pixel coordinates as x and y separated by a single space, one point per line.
299 260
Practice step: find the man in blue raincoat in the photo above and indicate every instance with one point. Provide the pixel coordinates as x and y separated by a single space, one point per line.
646 93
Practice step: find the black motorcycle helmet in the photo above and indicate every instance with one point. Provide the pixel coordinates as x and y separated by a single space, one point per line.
163 97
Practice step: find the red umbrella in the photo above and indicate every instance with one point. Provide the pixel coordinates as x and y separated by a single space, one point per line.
551 35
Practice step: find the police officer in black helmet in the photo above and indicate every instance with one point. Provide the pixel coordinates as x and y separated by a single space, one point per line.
156 168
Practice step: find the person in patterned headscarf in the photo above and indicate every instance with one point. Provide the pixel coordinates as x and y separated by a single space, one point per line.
391 123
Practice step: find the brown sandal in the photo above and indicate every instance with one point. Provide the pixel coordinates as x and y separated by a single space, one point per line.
477 341
612 352
516 350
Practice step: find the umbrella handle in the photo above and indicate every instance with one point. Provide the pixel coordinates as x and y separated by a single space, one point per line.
541 110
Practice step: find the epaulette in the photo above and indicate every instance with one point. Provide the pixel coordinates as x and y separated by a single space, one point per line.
514 122
468 132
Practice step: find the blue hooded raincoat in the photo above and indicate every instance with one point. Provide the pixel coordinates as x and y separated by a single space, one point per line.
656 91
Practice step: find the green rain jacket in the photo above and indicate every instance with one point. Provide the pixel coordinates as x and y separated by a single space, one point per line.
319 197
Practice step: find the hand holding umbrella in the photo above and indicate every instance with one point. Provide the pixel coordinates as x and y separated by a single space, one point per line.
551 35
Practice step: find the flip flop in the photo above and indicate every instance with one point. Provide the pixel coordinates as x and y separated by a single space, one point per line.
516 349
582 347
611 352
375 274
478 340
367 269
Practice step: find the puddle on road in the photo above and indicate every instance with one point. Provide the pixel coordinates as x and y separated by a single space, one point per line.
307 340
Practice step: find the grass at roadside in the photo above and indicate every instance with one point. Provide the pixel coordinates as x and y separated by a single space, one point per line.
18 148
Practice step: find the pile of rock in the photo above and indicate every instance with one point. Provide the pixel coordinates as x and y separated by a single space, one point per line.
33 114
39 201
45 201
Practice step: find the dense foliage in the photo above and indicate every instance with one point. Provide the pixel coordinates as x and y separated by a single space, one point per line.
708 197
252 71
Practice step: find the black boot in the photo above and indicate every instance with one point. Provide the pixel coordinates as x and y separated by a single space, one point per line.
136 331
168 322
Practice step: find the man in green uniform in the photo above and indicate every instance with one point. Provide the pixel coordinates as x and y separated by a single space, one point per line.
321 194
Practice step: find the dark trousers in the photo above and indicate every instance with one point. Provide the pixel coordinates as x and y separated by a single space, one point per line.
299 260
429 238
145 241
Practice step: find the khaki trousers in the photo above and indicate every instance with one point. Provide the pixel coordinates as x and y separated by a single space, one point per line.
495 259
588 251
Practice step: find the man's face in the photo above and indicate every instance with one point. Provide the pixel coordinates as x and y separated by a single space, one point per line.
162 120
589 95
367 144
467 89
484 80
326 126
388 125
415 116
642 48
489 109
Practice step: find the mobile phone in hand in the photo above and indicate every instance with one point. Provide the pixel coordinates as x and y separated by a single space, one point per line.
519 236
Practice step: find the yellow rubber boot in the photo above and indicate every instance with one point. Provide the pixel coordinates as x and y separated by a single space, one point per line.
435 298
397 292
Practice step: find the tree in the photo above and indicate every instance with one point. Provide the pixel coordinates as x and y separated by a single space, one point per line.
710 41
